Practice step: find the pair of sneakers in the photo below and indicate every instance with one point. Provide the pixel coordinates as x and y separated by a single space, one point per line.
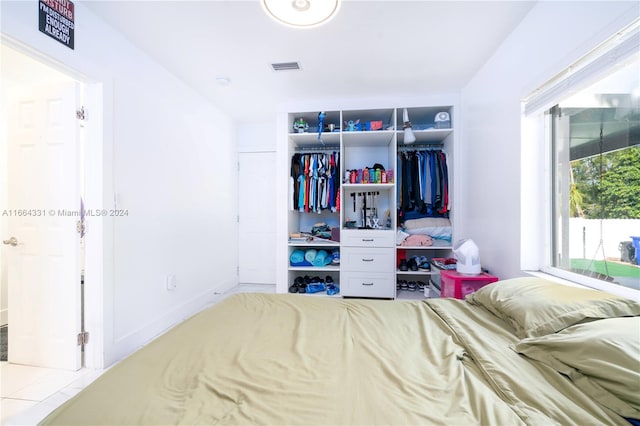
308 284
415 263
410 285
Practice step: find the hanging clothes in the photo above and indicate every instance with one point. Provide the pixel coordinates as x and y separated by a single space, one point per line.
314 182
423 184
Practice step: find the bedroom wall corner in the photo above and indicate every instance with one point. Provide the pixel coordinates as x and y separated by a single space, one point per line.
496 211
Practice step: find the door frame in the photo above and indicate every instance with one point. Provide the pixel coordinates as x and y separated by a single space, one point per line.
98 244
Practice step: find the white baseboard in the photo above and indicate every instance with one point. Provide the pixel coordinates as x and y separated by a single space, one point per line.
4 316
138 338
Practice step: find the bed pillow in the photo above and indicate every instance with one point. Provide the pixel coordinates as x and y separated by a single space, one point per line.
535 307
601 357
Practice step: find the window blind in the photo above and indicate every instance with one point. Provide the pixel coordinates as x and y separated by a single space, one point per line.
624 46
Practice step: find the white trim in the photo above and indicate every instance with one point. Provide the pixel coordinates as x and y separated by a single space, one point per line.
617 50
131 342
95 248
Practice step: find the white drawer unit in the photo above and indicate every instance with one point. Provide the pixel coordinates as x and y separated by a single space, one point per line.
365 259
368 284
367 264
361 238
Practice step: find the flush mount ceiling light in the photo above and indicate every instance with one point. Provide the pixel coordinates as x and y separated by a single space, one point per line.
301 13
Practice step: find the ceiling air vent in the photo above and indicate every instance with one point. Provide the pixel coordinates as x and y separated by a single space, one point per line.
285 66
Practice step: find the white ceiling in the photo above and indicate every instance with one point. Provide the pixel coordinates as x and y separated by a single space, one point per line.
370 49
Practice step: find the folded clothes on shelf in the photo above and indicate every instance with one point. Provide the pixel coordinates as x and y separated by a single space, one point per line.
417 241
313 257
321 259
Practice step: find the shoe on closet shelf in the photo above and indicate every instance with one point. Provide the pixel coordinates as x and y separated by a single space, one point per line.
295 287
403 265
412 263
335 257
316 287
424 263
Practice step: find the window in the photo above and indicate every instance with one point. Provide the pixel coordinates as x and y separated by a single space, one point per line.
592 168
595 150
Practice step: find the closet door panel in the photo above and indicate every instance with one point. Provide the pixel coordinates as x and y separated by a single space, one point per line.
257 216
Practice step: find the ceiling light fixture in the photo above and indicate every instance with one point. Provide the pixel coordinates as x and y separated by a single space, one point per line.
301 13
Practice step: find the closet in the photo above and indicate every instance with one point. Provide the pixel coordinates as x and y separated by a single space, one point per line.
351 183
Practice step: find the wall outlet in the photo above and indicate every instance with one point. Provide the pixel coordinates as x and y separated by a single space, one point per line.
171 282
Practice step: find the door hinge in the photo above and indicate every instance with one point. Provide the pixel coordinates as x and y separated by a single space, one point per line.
80 227
238 219
238 270
81 114
83 338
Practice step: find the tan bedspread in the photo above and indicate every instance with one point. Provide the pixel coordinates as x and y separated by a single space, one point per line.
303 360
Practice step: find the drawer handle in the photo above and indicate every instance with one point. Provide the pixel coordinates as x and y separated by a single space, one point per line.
367 283
367 260
367 240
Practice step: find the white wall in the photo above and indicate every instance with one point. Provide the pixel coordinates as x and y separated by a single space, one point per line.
169 158
257 136
550 37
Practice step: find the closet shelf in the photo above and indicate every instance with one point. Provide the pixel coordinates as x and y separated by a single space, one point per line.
367 186
308 140
436 246
319 243
428 135
371 138
418 272
315 268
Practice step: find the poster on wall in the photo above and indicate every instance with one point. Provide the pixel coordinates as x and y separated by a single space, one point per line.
56 20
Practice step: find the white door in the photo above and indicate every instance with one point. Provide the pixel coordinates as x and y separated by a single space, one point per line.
257 214
43 200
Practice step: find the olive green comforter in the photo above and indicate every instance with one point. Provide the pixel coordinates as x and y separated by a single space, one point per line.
304 360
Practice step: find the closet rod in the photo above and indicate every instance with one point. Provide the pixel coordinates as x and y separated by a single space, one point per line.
317 149
420 147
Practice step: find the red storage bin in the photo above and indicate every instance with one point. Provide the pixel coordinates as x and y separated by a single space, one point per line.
459 285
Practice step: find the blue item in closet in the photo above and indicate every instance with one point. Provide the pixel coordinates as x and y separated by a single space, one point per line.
310 255
322 258
297 259
316 288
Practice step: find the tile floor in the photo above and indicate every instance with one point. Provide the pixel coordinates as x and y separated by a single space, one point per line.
29 394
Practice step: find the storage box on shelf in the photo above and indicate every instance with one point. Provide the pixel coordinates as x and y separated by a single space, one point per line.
438 264
459 285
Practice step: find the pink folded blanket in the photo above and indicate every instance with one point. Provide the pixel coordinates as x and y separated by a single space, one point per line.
417 240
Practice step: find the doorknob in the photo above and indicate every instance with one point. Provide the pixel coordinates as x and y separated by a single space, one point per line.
13 241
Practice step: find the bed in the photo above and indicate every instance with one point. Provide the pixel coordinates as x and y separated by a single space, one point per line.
302 360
